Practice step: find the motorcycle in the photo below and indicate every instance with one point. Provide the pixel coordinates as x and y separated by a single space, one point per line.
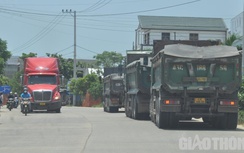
10 103
25 105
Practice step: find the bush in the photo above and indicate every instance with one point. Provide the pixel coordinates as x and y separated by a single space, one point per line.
241 117
241 96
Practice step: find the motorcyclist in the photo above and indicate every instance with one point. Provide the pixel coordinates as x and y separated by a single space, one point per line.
9 102
25 94
16 100
10 95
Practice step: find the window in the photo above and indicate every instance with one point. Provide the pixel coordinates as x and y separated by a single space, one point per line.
146 38
165 36
193 36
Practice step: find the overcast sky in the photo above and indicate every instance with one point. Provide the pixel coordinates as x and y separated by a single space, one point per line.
39 26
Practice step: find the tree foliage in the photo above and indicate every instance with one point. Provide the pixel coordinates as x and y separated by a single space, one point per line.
24 55
88 83
4 80
241 96
231 39
109 59
96 90
15 82
4 54
66 65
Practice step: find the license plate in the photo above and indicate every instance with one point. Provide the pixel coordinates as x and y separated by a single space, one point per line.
202 79
42 104
200 100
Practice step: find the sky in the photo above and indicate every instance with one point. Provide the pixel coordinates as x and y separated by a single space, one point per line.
40 26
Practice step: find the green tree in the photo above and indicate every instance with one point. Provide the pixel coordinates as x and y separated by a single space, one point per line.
241 96
4 55
108 59
231 39
96 90
88 83
24 55
66 65
15 82
4 80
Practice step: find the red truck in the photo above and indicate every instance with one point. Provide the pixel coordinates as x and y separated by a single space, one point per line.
43 79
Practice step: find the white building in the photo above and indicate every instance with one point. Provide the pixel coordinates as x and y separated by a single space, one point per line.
237 24
177 28
237 28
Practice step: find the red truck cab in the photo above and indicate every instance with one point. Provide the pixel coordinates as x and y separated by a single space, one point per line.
42 78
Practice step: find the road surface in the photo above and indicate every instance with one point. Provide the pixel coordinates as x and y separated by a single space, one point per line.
90 130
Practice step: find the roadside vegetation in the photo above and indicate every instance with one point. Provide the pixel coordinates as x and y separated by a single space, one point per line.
241 104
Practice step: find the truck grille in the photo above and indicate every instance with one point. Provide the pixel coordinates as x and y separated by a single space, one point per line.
42 96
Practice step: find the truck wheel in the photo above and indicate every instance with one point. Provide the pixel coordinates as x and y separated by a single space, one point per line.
158 118
58 110
135 114
232 120
220 122
127 111
105 105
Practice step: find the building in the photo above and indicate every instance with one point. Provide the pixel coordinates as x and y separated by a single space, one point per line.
13 65
237 25
177 28
237 29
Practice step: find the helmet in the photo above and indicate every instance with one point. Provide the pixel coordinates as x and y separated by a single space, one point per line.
25 90
11 93
15 93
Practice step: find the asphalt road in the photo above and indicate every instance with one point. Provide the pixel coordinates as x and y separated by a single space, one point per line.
90 130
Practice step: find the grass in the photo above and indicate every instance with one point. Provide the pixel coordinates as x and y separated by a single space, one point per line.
241 117
99 105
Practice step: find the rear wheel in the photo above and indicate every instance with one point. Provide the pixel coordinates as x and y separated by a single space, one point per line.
135 114
158 118
127 104
58 110
232 120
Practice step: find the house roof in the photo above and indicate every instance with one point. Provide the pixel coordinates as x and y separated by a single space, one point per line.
181 23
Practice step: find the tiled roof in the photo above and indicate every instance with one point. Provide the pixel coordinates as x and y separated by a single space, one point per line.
181 23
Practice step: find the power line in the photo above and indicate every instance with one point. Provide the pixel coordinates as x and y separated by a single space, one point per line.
87 50
64 49
40 35
25 12
143 11
96 6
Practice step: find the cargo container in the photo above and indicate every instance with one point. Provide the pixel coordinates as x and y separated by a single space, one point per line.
199 82
113 92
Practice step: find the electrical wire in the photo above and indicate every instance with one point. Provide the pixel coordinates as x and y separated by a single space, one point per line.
143 11
87 49
39 35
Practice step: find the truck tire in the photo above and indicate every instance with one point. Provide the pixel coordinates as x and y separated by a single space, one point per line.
58 110
232 120
158 118
135 114
127 107
219 122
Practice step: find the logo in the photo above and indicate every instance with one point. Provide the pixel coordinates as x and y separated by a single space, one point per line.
214 143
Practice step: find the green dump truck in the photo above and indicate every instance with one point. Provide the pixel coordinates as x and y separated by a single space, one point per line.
113 92
137 80
199 82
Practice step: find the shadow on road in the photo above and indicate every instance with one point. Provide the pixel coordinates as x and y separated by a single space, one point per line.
199 125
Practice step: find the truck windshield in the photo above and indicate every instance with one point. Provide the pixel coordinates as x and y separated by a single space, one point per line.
42 79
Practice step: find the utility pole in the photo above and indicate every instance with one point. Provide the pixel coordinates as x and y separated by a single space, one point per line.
74 66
